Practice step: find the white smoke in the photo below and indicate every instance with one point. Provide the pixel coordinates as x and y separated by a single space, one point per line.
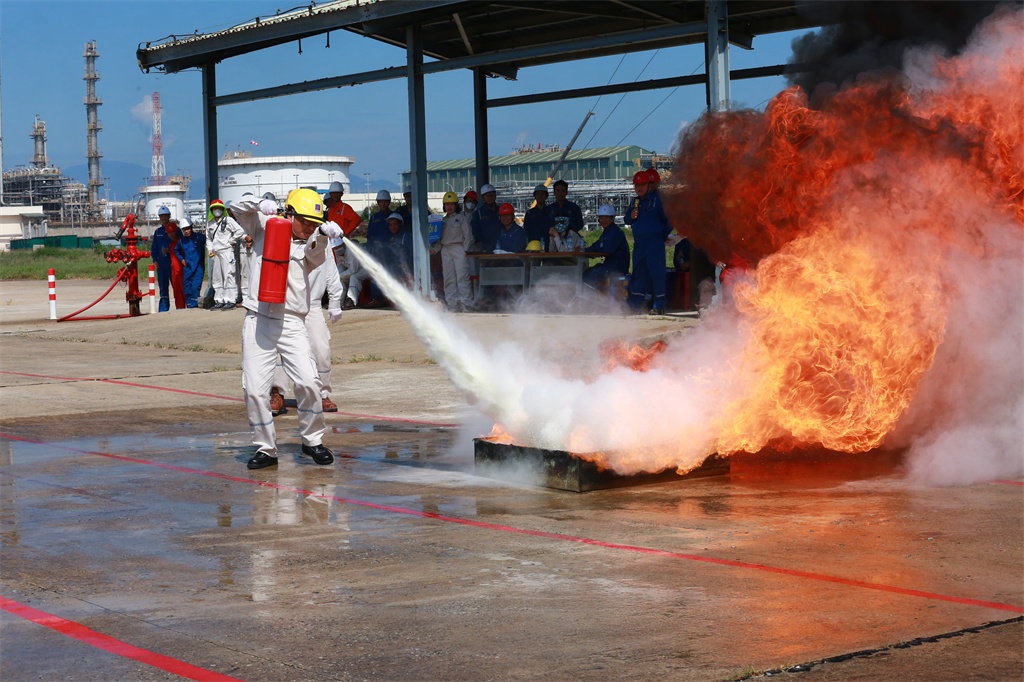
143 111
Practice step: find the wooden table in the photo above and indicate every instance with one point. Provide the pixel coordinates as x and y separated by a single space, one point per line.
531 268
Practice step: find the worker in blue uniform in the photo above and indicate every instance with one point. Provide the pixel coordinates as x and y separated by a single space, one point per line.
563 211
513 236
168 267
611 242
538 220
650 230
191 251
405 210
485 222
377 225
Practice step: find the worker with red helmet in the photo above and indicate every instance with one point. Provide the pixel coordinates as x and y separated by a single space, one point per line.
222 234
646 216
513 237
279 329
470 200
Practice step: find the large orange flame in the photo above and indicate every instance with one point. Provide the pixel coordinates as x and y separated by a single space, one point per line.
856 215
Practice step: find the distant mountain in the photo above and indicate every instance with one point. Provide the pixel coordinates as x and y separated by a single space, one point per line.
375 185
124 179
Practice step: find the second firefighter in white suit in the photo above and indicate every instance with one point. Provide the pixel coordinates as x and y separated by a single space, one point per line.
323 279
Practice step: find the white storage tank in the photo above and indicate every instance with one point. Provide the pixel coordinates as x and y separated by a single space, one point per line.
241 173
171 196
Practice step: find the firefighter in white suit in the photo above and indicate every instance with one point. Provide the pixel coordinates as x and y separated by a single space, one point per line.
279 329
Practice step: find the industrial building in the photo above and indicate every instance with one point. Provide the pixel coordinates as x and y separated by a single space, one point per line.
595 176
60 198
530 166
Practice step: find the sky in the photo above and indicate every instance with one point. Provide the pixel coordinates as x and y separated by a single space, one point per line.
41 68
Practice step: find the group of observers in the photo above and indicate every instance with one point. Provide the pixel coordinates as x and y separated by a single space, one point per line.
476 225
555 227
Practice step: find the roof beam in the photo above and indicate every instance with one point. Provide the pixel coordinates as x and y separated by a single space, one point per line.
654 84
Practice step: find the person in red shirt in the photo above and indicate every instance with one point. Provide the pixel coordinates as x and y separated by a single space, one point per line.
339 212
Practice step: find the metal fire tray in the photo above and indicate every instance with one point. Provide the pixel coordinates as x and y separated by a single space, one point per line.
563 470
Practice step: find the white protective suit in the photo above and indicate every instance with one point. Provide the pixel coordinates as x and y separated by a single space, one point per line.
456 239
279 329
324 278
221 236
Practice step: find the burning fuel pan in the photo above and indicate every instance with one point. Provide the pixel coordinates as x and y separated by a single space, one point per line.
566 471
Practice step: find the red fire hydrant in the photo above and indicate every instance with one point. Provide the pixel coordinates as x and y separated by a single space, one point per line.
130 256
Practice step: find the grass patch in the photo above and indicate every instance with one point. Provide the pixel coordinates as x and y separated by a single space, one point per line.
364 358
66 263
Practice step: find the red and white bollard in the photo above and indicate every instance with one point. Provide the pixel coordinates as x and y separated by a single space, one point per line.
51 280
152 288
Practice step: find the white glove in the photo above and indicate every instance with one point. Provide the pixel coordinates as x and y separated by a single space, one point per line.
334 314
331 229
268 207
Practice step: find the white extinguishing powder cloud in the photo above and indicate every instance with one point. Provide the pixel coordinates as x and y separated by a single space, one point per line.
964 424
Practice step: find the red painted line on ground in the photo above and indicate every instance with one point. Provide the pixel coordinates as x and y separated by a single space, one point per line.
109 644
1009 482
171 390
807 575
356 415
47 376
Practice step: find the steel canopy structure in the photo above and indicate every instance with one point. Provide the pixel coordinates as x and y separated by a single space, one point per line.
493 39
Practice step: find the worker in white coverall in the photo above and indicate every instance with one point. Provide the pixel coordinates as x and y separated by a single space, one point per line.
279 329
324 278
222 233
456 239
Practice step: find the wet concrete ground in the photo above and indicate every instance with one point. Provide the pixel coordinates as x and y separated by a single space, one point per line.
127 511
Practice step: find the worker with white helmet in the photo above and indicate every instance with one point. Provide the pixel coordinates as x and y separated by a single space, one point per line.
279 329
613 244
377 225
456 239
222 234
168 267
486 225
338 211
377 236
191 251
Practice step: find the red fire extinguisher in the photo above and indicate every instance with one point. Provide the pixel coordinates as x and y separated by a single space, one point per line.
277 249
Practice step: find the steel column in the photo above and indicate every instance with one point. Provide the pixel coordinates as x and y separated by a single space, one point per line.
717 44
418 161
480 126
210 132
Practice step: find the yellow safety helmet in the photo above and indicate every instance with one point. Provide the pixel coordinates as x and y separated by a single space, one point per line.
305 203
450 198
534 246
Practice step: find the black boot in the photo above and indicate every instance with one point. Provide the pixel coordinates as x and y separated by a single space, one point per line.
319 453
262 460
